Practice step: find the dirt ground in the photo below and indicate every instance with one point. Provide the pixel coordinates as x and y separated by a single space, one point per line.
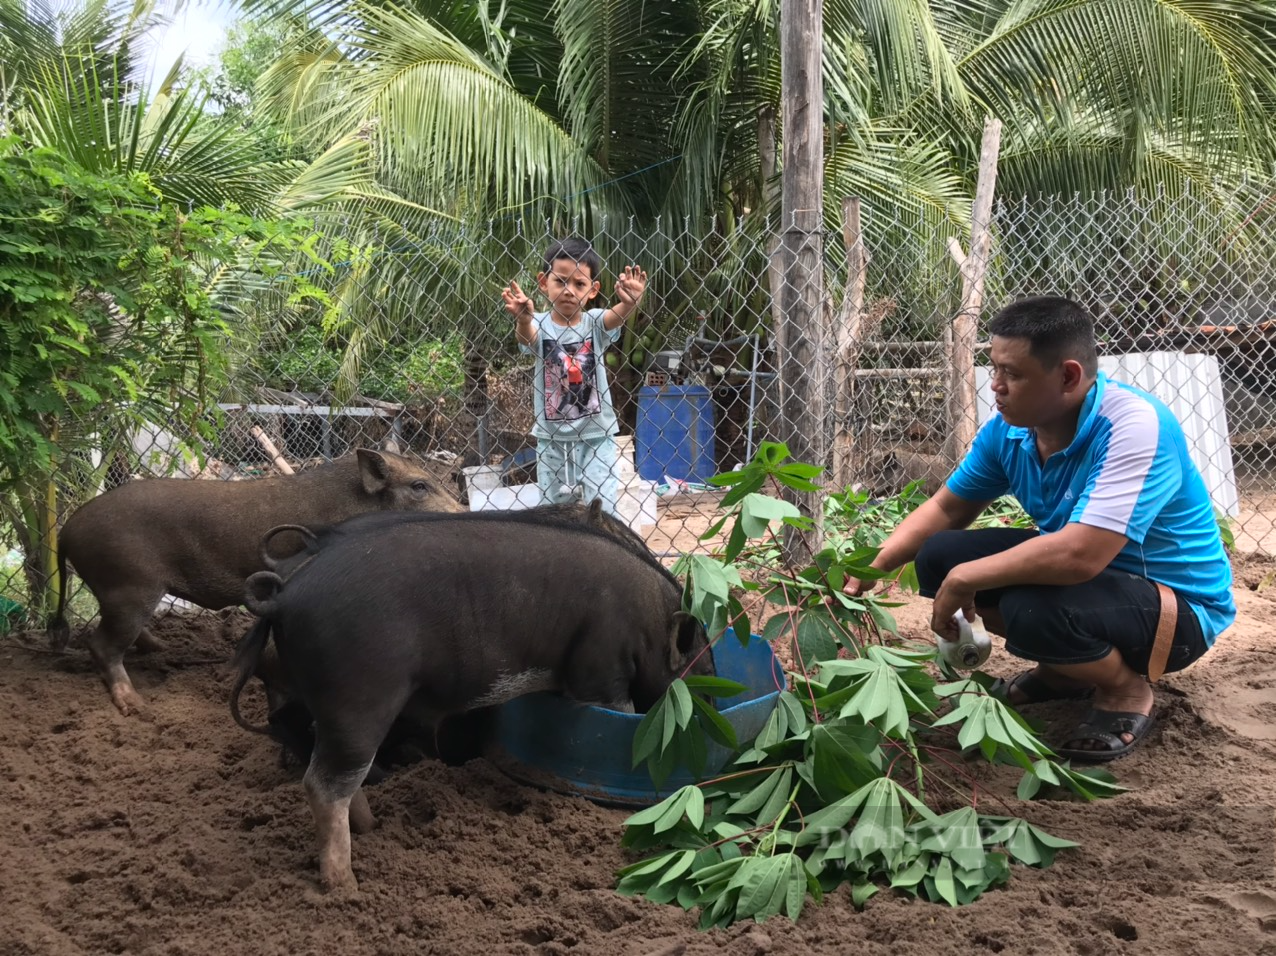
179 833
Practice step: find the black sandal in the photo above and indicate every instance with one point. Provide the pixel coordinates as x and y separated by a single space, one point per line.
1036 690
1106 727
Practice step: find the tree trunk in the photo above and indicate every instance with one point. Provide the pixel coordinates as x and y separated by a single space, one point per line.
771 200
477 403
853 328
959 341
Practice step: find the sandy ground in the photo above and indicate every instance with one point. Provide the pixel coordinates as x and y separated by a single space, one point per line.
179 833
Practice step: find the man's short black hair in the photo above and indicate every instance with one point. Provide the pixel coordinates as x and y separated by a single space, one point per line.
577 250
1056 329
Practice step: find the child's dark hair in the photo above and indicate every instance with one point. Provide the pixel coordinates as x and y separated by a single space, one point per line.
1056 329
577 250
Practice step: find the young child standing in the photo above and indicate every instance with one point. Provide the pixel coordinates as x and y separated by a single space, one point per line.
575 421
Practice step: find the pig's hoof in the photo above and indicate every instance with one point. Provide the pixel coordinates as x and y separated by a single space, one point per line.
128 701
341 882
147 643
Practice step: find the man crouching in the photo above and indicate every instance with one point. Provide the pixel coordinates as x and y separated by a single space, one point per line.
1126 578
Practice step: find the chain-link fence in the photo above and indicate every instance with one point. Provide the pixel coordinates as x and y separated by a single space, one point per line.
418 354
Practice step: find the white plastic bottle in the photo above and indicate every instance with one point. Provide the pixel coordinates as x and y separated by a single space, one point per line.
972 647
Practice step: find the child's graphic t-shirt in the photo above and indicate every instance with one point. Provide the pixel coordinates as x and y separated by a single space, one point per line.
571 393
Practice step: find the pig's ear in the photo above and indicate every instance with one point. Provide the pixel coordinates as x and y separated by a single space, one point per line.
595 512
682 639
374 471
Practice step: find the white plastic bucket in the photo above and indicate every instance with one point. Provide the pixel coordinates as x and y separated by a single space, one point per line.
636 503
480 482
625 472
513 498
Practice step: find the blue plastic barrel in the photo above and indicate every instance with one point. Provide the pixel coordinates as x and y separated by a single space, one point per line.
675 433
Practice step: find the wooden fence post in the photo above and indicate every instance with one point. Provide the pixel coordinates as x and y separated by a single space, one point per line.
802 332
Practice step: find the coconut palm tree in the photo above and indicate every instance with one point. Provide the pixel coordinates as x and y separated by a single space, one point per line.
68 75
596 111
664 119
619 109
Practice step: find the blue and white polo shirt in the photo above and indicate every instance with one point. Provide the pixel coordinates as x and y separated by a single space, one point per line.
1127 470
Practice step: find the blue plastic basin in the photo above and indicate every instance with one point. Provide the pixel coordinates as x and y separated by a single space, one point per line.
554 742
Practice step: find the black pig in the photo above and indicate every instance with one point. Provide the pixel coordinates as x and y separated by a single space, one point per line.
444 616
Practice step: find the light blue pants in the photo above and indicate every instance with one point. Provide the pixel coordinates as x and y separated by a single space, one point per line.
580 470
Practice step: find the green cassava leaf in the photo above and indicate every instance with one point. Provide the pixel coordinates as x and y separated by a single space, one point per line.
862 892
695 807
756 798
1023 841
843 757
649 737
713 686
714 724
815 639
945 884
758 511
681 698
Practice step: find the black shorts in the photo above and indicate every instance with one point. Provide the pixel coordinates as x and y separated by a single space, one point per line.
1065 624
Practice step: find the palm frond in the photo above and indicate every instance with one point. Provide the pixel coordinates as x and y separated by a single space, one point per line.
443 120
1146 65
616 80
77 96
908 52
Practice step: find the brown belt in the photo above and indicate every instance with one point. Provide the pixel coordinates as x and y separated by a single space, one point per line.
1165 628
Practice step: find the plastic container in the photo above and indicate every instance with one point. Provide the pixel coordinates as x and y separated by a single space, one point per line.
972 647
674 436
511 498
480 480
625 471
550 741
636 503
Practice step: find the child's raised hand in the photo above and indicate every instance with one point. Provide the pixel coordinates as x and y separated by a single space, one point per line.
631 284
517 302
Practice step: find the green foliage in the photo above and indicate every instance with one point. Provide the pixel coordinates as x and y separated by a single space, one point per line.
1004 513
657 740
308 361
107 320
74 87
96 306
854 519
669 113
839 786
104 301
1225 530
251 46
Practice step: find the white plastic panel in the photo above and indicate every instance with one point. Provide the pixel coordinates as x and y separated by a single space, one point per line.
1190 384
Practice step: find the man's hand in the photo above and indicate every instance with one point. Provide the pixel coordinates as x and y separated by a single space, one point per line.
858 587
954 595
631 284
517 303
